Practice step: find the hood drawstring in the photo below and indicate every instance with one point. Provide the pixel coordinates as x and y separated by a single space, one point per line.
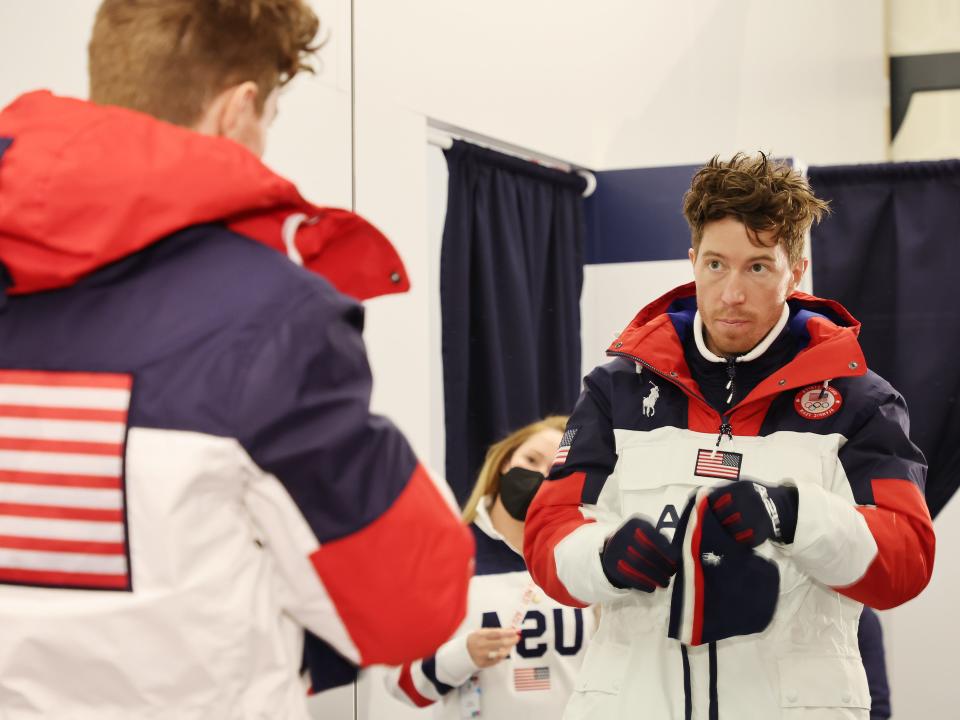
725 427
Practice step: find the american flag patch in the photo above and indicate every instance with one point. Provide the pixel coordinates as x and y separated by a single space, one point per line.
565 443
718 464
535 678
62 505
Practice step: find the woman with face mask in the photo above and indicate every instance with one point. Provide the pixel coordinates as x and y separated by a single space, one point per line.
518 651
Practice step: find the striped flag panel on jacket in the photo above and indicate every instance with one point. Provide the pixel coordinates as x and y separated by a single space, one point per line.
62 505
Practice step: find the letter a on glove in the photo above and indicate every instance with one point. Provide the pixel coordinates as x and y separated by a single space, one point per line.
637 556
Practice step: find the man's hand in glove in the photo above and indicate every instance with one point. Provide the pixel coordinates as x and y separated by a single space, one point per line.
637 556
753 512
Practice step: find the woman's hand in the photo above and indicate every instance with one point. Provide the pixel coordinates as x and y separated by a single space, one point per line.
488 646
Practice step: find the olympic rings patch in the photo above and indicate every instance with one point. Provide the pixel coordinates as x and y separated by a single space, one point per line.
810 405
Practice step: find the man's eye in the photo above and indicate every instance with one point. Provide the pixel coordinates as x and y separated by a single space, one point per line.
757 268
714 264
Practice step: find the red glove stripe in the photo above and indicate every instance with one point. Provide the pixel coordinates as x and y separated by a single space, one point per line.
623 567
723 501
639 535
636 555
743 535
731 519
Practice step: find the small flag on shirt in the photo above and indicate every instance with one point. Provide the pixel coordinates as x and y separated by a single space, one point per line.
718 464
62 503
534 678
565 444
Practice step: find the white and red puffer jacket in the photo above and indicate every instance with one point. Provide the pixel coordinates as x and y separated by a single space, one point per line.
864 535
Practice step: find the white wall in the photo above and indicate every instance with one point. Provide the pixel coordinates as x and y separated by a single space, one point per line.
621 83
43 44
921 637
614 293
806 80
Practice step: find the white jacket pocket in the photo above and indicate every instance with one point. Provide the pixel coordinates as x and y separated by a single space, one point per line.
825 681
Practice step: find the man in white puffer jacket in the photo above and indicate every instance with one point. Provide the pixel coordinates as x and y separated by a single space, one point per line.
736 376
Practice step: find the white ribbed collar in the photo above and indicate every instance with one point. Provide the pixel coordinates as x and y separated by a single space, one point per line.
483 521
759 350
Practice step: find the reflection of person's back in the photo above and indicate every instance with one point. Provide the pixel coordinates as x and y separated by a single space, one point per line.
189 473
518 652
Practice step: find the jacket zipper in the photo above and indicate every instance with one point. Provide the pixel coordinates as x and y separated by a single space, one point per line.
725 429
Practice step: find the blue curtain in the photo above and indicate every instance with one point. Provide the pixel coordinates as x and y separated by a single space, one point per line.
890 252
511 271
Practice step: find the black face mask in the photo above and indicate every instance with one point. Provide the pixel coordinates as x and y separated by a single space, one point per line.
517 488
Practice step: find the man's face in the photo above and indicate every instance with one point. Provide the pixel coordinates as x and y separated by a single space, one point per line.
741 287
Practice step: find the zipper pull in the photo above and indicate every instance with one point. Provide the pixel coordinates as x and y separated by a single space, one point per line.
731 374
725 429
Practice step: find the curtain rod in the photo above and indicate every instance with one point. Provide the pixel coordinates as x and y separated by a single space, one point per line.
443 135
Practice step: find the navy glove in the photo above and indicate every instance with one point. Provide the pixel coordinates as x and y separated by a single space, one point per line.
637 556
752 512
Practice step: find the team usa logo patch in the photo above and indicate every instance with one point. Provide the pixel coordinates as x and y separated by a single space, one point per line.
62 500
816 402
718 464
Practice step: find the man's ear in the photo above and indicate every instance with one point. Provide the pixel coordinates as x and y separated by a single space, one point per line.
798 271
238 108
224 114
693 257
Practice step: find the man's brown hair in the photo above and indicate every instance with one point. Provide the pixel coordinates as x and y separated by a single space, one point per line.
761 193
170 58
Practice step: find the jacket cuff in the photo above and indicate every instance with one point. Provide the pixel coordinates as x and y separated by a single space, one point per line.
454 664
833 543
578 565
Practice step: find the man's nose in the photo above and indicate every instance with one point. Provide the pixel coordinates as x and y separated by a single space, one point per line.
733 291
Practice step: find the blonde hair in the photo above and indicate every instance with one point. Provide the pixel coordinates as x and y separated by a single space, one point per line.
499 454
171 58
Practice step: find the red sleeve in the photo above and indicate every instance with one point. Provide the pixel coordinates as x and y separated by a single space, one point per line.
887 473
553 514
400 584
903 530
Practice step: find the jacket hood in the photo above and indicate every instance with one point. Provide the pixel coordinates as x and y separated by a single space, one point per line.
828 330
84 185
686 294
